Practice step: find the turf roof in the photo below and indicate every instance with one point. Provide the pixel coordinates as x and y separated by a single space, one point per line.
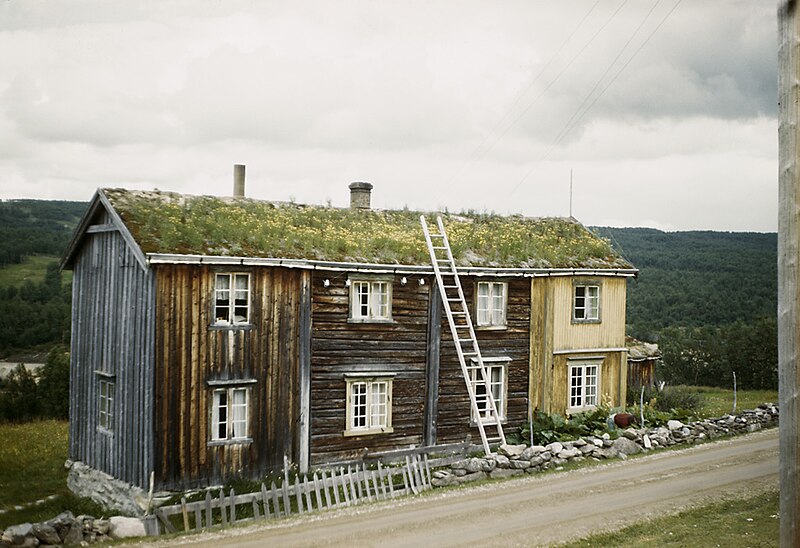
166 222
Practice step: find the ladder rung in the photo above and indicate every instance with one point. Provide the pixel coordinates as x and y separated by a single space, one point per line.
438 247
465 340
469 354
451 287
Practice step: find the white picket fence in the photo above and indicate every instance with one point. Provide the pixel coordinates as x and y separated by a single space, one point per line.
323 490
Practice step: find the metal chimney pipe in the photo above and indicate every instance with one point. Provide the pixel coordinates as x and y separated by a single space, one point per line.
238 180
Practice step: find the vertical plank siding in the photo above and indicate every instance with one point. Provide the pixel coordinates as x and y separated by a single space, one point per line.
512 342
609 333
113 339
190 352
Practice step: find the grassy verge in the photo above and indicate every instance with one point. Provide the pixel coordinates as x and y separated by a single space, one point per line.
719 401
751 522
32 459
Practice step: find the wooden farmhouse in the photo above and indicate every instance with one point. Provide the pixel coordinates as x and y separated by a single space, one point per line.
212 336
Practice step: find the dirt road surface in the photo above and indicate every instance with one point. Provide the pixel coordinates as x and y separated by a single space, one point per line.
535 511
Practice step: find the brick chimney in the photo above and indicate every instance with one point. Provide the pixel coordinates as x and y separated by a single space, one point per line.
238 180
360 194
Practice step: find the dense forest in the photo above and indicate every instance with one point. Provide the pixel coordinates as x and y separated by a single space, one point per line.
36 227
708 298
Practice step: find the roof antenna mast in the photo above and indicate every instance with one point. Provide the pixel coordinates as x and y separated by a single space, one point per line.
570 193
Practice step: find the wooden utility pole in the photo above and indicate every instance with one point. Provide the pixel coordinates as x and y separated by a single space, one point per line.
788 287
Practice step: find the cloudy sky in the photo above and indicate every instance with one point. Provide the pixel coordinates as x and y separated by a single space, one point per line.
664 111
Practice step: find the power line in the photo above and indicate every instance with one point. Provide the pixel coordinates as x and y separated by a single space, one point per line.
572 122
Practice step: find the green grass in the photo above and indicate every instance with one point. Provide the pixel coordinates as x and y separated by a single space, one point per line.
32 459
31 268
719 401
751 521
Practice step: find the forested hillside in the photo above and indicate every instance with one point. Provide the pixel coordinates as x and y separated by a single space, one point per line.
36 227
35 313
708 298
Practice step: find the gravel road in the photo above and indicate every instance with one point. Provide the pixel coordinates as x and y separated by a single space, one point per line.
535 511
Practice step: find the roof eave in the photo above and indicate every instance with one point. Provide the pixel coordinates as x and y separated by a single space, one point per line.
334 266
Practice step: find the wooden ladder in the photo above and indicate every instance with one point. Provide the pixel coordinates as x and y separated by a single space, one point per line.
455 307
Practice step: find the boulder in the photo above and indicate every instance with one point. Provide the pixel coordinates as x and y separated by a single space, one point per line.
511 450
631 434
74 535
122 527
474 465
499 473
554 447
646 442
519 464
502 461
46 534
531 452
674 425
18 533
624 446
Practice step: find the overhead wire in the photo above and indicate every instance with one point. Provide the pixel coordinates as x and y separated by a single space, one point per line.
574 121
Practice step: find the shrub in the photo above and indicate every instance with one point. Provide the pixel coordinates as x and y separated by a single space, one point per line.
550 427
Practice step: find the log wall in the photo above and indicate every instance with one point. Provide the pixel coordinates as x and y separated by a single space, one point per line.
454 422
339 347
190 352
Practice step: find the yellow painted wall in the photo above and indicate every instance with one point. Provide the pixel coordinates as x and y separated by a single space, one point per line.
609 333
552 331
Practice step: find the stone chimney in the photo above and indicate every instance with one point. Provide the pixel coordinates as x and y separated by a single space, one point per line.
238 180
360 194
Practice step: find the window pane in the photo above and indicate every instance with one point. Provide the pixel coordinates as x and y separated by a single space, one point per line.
221 401
241 298
380 300
498 306
593 302
483 303
576 385
379 400
591 385
239 413
358 392
361 300
222 298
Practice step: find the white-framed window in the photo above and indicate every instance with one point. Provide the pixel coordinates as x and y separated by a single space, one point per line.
105 403
584 385
370 300
231 299
491 303
497 369
369 405
230 414
586 303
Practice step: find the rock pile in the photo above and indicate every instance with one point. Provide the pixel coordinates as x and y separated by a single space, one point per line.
515 460
68 530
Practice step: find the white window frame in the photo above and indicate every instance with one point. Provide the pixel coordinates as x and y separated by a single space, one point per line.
586 307
583 385
491 308
364 306
106 396
229 316
228 427
369 404
495 364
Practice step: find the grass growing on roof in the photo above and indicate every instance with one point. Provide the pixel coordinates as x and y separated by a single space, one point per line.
164 222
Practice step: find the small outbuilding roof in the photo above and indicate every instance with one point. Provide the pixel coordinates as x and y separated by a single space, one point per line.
169 223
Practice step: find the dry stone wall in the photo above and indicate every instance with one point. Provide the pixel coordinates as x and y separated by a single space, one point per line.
515 460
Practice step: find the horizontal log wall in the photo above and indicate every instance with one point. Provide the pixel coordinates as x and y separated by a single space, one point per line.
112 333
339 347
513 342
189 353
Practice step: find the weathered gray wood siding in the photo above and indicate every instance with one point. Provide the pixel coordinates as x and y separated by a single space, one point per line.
190 352
112 338
339 347
453 418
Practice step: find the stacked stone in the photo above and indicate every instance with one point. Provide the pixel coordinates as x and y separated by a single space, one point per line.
68 530
515 460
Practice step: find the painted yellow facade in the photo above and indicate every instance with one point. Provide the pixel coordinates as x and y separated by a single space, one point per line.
557 341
